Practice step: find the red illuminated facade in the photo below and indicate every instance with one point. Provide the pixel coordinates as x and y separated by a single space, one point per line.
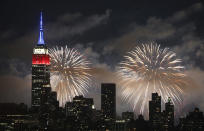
40 59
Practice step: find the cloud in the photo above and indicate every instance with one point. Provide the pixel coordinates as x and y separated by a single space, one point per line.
155 29
67 18
65 29
14 67
7 34
191 51
15 81
171 30
194 97
15 89
184 14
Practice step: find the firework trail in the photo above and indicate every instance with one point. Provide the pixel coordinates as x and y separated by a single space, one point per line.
69 73
148 69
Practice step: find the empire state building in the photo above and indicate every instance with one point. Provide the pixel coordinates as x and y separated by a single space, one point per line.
40 71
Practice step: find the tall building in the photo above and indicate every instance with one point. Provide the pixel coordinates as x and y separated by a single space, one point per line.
108 100
155 111
168 115
79 113
40 71
44 101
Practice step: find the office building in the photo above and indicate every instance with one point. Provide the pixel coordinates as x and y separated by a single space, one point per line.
155 115
168 115
40 72
108 100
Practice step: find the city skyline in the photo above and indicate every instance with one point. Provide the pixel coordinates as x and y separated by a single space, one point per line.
82 25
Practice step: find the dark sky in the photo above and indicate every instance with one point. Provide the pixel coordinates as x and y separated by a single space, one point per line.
103 30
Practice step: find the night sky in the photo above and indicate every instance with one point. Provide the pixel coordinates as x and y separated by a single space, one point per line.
104 31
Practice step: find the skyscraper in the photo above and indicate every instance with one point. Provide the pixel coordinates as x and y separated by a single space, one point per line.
40 71
168 115
79 113
155 111
108 100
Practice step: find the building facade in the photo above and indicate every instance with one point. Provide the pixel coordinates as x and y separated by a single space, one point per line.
194 121
40 72
168 115
155 115
79 113
108 100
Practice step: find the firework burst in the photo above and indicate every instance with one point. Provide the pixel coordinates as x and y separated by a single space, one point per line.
69 73
149 69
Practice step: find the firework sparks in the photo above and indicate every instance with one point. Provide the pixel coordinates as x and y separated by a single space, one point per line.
69 73
149 69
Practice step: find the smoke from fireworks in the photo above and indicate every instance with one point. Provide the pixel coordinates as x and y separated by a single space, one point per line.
69 73
149 69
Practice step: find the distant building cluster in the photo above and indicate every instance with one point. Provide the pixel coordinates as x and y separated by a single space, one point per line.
81 114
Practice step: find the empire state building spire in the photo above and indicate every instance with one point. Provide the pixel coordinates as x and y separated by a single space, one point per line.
41 38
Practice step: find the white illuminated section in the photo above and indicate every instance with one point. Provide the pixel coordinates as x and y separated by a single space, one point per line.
40 51
93 107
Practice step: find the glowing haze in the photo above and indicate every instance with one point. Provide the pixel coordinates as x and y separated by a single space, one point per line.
147 69
69 73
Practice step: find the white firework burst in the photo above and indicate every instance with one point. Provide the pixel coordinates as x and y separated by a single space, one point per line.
70 73
148 69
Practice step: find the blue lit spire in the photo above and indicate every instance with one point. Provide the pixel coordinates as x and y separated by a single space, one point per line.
41 38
